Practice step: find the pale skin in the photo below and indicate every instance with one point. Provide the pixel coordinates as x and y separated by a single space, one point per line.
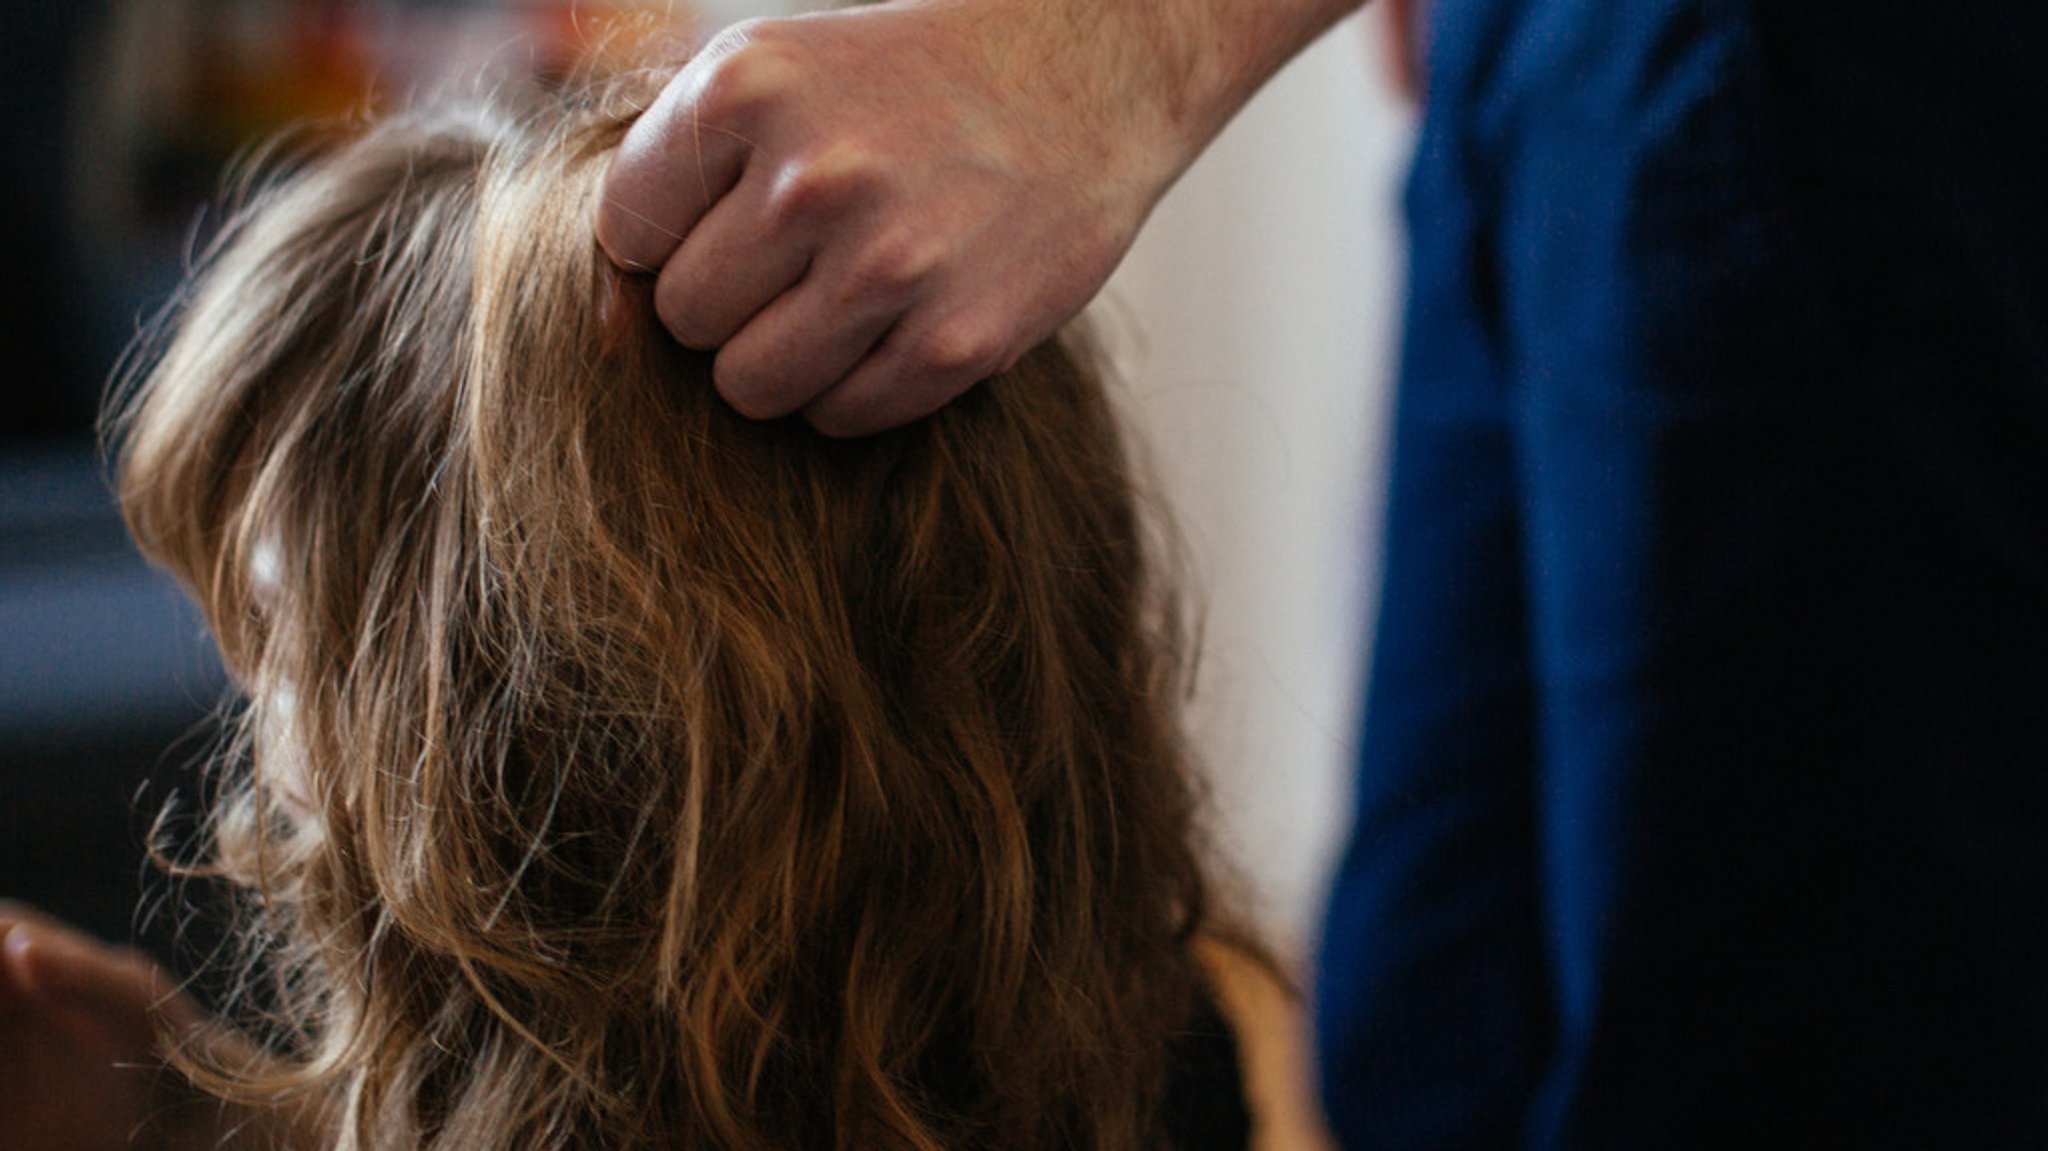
1271 1030
866 211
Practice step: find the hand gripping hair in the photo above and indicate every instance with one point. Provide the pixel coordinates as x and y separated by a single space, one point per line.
615 772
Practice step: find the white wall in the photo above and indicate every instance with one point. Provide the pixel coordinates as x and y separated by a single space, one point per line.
1255 321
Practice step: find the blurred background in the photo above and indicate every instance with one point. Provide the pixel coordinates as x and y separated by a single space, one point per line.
1252 323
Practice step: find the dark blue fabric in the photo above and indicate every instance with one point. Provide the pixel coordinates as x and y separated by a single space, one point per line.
1703 794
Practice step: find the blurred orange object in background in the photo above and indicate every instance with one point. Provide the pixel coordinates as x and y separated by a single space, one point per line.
188 83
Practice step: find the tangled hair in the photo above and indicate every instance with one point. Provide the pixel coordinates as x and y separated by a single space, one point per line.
616 772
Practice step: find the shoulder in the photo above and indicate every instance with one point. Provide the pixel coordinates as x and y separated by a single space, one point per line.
1266 1017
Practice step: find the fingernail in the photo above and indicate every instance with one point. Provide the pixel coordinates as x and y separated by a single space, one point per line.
17 955
35 953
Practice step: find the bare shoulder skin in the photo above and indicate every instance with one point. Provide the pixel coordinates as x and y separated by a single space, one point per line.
1271 1027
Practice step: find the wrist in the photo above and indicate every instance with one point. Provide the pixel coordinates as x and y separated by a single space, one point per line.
1145 84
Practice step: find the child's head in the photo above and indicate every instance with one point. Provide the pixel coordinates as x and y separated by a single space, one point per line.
621 772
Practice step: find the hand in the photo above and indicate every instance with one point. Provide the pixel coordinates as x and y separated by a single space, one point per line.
81 1066
867 211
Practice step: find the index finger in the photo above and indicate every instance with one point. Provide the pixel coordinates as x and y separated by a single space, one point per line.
675 162
14 911
45 958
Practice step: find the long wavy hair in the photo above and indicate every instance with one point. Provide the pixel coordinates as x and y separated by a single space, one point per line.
614 772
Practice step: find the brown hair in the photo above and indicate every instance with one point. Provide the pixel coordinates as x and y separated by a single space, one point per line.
621 773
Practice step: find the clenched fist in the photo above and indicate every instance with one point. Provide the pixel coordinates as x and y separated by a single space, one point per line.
867 211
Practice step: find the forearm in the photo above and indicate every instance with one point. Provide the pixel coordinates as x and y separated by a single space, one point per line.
1216 53
1164 73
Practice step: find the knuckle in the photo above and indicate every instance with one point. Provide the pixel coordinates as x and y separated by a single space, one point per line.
890 269
729 94
821 185
749 69
961 350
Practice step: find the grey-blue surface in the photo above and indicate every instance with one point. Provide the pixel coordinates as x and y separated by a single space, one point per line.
93 642
107 681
